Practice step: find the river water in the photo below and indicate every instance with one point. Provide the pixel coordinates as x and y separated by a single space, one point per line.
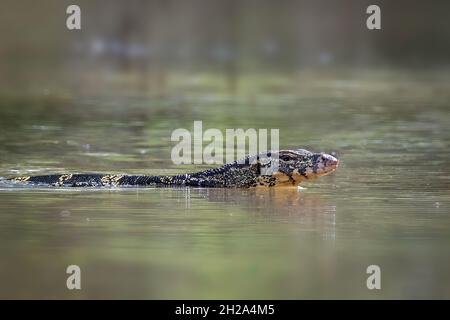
388 204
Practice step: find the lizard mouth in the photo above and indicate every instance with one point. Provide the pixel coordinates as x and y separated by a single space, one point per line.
332 164
325 165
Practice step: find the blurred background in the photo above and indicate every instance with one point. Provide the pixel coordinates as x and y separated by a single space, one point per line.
171 47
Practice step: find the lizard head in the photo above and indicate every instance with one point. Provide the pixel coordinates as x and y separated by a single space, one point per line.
290 167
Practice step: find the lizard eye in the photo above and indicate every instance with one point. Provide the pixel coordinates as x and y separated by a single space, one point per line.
285 157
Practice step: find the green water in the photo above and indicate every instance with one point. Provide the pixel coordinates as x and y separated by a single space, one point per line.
387 204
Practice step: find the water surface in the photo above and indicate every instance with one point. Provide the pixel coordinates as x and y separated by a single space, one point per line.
387 204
